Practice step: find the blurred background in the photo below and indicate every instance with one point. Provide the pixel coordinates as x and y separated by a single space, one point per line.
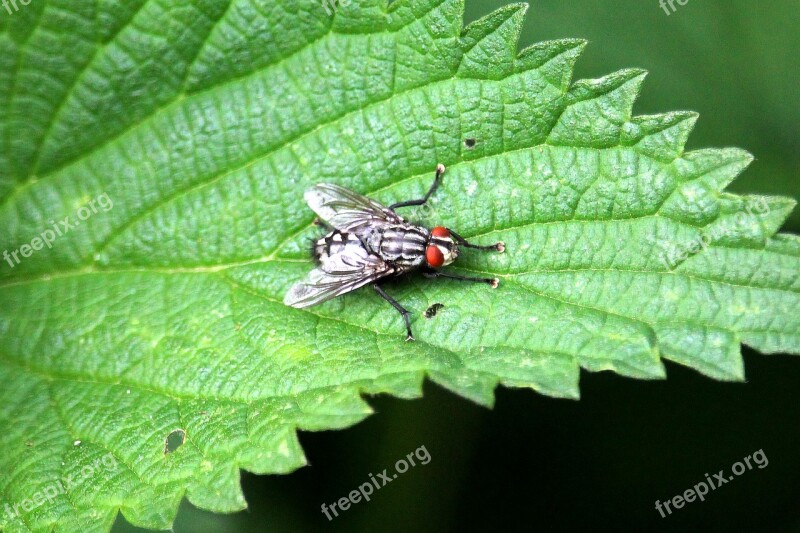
540 464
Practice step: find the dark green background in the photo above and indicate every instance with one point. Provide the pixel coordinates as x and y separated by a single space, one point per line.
540 464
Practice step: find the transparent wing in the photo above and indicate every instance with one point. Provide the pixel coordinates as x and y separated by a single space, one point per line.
337 274
346 210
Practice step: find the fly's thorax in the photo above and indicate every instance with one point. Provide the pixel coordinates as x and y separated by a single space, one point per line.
401 243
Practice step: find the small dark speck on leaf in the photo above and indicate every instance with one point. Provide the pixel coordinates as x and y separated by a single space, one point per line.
174 440
470 143
432 310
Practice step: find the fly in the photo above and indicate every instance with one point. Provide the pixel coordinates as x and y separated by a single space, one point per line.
368 242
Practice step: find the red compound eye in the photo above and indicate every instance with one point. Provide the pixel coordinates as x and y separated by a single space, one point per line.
434 256
440 231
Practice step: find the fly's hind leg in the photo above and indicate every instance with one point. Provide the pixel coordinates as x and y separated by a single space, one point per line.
421 201
400 309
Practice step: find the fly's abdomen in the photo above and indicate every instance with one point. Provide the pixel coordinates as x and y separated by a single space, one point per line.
337 244
404 245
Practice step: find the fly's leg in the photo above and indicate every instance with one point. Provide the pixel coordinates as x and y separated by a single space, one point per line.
496 247
402 310
421 201
430 273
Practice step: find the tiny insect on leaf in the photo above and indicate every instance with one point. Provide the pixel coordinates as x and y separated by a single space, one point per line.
431 311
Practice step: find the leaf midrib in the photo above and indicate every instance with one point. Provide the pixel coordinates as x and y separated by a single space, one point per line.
274 256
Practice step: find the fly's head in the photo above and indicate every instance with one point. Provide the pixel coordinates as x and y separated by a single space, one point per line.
441 249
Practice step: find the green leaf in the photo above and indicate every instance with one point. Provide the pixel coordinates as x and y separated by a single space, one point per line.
145 352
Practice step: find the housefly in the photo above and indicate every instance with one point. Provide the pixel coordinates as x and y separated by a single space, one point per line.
368 242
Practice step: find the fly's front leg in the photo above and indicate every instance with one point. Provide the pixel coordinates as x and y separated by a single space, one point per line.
402 310
430 273
496 247
421 201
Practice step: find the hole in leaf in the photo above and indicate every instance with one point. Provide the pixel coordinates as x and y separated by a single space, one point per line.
174 440
432 310
470 143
